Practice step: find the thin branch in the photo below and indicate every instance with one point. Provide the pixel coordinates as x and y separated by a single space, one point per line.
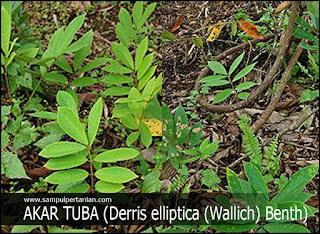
284 46
280 88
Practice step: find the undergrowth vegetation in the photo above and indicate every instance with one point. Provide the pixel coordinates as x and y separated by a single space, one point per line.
77 119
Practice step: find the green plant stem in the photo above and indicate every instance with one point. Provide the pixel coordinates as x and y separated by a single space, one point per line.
231 82
7 83
91 172
32 94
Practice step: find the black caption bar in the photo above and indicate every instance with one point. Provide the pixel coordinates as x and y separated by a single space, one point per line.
134 209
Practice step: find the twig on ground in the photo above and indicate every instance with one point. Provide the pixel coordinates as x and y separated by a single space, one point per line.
298 122
284 46
237 161
301 146
280 88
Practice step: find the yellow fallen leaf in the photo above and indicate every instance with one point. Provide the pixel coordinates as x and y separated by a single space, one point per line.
155 126
216 29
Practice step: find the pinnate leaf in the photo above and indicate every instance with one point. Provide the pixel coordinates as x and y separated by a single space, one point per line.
141 52
115 155
244 72
285 228
245 85
146 137
62 148
67 162
236 63
106 187
256 179
66 99
223 95
123 55
94 120
71 124
67 176
217 67
296 183
116 175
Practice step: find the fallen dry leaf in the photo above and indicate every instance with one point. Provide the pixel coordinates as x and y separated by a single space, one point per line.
250 29
282 6
177 24
38 172
215 32
148 154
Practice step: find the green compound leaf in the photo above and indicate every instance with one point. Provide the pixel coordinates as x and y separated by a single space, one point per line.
93 64
76 187
114 67
12 167
94 120
129 121
66 162
145 134
245 85
152 183
296 183
132 138
244 72
145 65
223 95
285 228
70 31
117 91
215 83
115 155
123 55
234 183
55 229
141 52
65 99
210 148
55 77
84 82
116 175
210 179
234 228
243 95
217 67
236 63
125 20
62 148
5 30
106 187
44 115
71 124
68 176
145 15
24 228
256 179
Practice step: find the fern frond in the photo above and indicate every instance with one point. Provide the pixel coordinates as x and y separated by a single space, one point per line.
250 142
177 183
272 149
